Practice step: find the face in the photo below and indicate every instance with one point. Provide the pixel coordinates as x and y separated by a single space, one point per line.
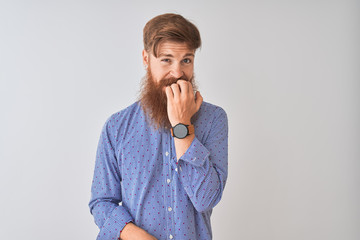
175 60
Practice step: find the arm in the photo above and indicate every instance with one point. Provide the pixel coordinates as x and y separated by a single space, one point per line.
106 190
202 167
114 221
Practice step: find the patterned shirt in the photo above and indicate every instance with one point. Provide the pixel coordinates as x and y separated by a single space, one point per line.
137 167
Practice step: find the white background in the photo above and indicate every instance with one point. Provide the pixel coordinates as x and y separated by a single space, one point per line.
286 72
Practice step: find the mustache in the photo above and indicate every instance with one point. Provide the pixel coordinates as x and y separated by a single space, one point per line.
168 81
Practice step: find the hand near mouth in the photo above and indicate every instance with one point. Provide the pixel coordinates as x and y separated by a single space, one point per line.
182 104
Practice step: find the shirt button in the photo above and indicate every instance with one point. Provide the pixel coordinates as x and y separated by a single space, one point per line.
169 209
168 180
167 154
171 236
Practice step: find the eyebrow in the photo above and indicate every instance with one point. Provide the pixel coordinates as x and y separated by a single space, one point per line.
170 55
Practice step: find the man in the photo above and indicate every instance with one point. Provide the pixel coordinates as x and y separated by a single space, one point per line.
164 158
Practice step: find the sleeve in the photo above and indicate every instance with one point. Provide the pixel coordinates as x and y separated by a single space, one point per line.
203 168
109 216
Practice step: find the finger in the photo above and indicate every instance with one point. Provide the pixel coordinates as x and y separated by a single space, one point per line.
184 86
176 90
191 89
198 100
169 93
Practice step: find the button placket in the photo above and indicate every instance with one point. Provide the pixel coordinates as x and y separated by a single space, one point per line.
169 180
167 187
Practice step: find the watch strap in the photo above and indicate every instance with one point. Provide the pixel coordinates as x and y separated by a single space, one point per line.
191 129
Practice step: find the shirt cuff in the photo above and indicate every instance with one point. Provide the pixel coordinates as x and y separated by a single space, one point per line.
114 224
196 154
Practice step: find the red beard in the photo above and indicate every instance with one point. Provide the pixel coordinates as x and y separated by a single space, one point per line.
153 99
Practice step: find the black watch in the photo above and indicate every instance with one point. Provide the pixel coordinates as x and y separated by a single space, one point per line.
181 130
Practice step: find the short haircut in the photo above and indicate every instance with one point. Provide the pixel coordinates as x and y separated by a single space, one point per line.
170 27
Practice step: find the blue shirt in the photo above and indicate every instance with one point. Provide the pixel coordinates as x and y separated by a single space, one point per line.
137 167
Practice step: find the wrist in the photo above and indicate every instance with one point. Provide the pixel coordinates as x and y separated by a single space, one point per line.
185 121
181 130
126 231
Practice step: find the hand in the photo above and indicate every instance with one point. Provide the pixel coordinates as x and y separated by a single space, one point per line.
181 102
133 232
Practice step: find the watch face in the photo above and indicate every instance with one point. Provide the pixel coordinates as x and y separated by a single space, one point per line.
180 131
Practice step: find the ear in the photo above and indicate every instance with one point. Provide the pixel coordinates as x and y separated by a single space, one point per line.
146 57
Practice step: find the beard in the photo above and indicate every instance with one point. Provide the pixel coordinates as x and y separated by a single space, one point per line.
153 99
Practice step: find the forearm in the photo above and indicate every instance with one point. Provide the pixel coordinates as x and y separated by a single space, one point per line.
203 173
203 184
106 212
182 145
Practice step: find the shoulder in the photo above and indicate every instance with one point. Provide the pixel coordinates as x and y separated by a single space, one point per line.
210 122
127 112
210 116
210 110
119 118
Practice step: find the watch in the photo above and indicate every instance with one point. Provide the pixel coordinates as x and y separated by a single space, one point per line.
181 130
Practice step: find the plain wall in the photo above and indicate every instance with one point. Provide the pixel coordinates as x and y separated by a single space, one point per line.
286 72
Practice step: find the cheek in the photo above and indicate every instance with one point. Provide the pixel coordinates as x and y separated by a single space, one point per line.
158 75
189 71
189 74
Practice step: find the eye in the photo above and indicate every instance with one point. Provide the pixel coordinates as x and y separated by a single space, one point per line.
187 60
167 60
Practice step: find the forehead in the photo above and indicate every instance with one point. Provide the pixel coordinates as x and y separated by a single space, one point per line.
174 49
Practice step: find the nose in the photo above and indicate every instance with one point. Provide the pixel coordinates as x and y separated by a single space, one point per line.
176 71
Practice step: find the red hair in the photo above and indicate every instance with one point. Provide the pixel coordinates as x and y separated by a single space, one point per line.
170 27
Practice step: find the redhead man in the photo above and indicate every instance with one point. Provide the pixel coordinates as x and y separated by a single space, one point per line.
162 163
